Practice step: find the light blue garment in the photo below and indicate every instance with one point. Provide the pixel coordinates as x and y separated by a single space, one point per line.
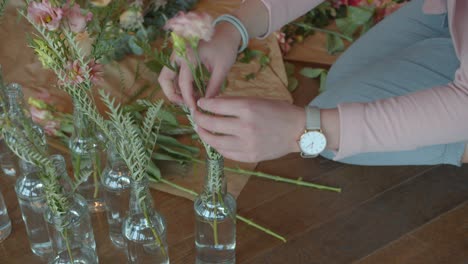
408 51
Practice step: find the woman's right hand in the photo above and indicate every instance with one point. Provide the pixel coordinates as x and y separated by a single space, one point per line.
218 55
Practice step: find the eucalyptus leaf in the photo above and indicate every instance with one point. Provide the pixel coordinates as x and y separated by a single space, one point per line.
289 67
249 54
250 76
154 66
166 157
135 48
334 44
292 83
177 152
356 17
264 61
168 117
311 72
172 142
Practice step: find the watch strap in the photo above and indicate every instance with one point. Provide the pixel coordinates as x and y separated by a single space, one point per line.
312 118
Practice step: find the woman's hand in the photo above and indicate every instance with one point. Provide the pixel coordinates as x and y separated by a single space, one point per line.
250 130
218 55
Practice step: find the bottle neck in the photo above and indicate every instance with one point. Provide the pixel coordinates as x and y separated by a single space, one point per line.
28 168
215 181
141 200
14 96
83 127
113 157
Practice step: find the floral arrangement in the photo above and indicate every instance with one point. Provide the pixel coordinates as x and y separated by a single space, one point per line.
352 18
125 23
186 32
77 64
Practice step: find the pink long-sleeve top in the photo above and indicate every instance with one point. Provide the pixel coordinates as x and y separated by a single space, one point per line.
438 115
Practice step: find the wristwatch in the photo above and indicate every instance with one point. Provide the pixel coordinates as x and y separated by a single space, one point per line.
312 141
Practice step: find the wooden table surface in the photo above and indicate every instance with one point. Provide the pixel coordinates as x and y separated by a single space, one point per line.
402 214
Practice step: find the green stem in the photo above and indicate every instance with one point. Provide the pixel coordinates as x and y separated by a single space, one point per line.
243 219
155 233
67 243
200 69
193 71
331 32
276 178
96 174
215 220
77 167
251 223
178 187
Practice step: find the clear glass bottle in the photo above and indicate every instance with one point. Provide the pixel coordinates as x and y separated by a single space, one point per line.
144 229
5 222
88 160
32 201
70 232
3 111
20 119
215 216
116 180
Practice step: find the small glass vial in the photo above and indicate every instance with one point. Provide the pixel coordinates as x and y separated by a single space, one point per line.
215 216
116 180
144 229
5 222
70 232
88 157
30 192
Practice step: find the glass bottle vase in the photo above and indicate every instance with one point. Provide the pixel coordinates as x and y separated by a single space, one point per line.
30 192
8 161
70 231
5 222
116 180
88 156
144 229
21 121
215 216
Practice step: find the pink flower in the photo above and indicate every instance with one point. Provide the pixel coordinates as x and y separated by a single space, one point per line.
285 44
350 2
96 71
77 73
44 14
51 127
38 116
76 20
191 25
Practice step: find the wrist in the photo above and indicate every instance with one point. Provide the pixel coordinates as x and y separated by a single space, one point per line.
330 122
299 128
228 31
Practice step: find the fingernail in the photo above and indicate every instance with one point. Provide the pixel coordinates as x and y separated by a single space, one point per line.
199 102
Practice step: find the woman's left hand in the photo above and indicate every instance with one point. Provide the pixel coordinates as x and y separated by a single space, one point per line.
248 129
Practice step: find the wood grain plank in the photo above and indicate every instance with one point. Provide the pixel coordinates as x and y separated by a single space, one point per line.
443 240
377 222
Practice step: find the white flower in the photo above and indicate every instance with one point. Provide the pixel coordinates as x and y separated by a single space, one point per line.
131 19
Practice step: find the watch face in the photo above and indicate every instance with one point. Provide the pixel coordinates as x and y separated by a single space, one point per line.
312 143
